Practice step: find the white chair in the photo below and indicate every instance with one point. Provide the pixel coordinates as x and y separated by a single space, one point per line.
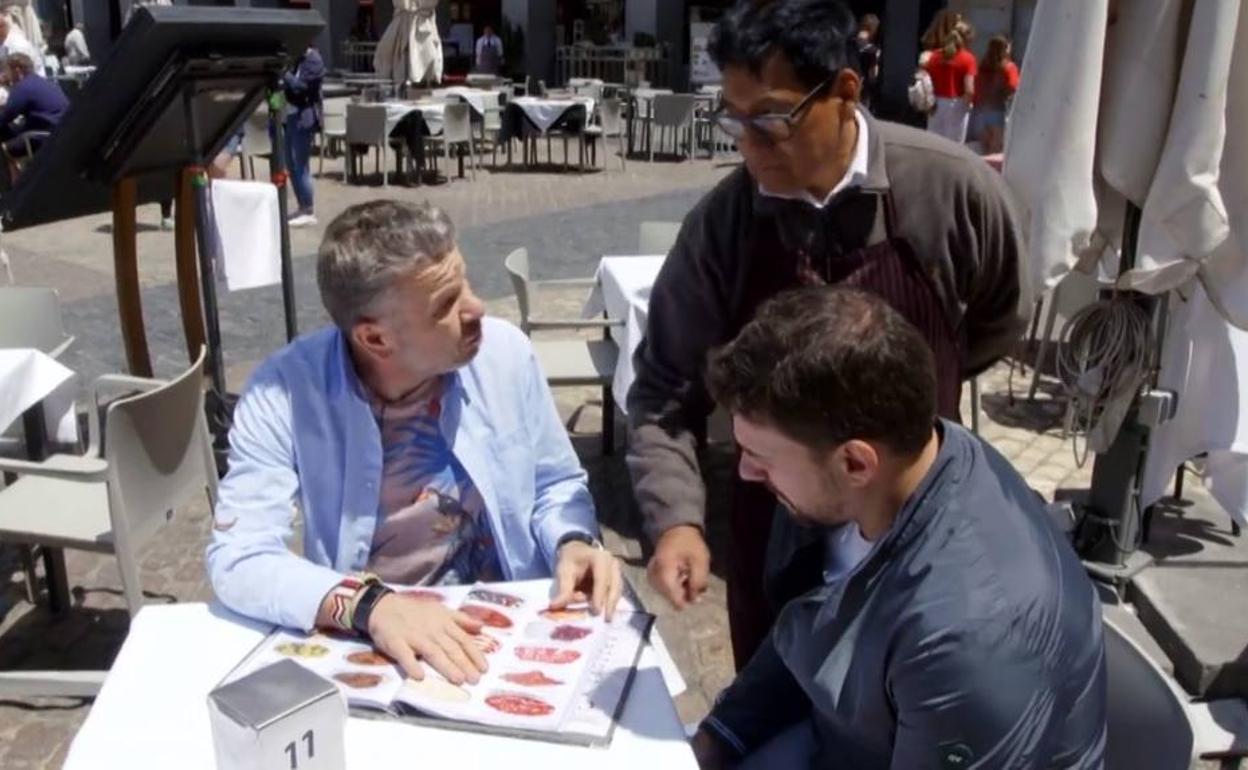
366 127
257 143
457 131
610 126
155 454
674 112
657 237
571 362
333 128
1147 727
492 123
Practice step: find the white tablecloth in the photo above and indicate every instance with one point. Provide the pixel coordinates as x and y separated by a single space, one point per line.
623 291
546 112
152 711
434 114
475 97
28 377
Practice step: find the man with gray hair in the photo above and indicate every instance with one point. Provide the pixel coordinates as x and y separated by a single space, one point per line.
420 441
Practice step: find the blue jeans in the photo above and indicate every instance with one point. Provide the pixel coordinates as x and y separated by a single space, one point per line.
298 158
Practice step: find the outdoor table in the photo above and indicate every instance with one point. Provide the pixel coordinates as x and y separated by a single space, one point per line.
40 391
643 108
152 712
474 97
528 116
412 122
622 291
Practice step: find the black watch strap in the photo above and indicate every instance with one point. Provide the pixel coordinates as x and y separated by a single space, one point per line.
373 593
578 537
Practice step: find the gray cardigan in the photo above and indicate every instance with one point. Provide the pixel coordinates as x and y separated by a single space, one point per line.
951 207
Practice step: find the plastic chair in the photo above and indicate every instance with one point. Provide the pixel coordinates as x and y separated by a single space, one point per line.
611 126
569 362
333 128
366 127
492 123
657 237
456 131
675 112
1147 725
256 141
156 454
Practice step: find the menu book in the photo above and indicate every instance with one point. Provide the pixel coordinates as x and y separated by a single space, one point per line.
554 675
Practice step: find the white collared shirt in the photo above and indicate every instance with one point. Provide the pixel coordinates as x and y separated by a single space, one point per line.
855 175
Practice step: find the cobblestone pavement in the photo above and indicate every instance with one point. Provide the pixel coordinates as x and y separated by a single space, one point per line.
568 221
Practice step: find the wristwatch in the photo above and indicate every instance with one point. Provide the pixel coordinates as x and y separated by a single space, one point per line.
579 537
373 592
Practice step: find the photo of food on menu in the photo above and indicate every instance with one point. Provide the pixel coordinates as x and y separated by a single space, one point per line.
561 674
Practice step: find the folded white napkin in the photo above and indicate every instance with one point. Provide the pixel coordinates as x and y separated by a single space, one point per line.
249 225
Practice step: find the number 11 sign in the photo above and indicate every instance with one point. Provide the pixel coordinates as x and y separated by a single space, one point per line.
280 717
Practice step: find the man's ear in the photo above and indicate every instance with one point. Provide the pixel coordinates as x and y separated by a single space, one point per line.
848 87
369 336
860 462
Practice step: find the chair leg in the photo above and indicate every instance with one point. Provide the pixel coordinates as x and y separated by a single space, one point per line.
26 555
1049 321
383 160
608 421
130 580
975 405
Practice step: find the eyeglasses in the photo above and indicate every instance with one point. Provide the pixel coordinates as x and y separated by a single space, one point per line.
773 126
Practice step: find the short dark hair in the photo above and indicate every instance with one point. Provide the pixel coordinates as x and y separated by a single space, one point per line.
815 36
825 365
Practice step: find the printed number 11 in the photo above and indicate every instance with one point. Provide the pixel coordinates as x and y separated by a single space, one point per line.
292 749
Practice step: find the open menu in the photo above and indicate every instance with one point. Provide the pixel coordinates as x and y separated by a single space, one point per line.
557 675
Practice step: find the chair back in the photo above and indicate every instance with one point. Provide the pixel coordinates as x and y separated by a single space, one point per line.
366 124
159 453
30 317
673 110
1148 728
657 237
517 265
256 139
611 115
334 115
457 123
493 118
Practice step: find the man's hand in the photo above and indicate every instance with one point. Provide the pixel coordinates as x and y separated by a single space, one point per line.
681 565
708 751
410 630
587 574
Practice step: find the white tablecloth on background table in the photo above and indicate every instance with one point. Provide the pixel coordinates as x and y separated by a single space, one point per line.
546 112
475 97
623 291
28 377
434 114
152 711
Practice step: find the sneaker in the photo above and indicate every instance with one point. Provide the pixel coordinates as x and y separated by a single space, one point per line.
302 220
166 223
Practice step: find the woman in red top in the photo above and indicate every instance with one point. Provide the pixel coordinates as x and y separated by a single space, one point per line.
952 69
996 83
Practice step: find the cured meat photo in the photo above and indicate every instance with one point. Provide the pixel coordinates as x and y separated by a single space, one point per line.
368 658
570 633
496 597
563 616
357 680
547 655
491 618
530 679
518 704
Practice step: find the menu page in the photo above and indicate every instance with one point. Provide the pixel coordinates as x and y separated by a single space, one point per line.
549 670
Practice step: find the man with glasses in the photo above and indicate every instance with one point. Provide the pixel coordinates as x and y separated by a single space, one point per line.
828 195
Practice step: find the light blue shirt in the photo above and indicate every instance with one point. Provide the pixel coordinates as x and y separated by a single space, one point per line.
303 433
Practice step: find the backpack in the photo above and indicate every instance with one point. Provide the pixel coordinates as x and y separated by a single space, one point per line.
922 93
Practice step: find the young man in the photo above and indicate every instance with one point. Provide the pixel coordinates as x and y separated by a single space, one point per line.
969 634
422 445
828 195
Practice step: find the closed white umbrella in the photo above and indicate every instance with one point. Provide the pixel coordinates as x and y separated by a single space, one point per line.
410 50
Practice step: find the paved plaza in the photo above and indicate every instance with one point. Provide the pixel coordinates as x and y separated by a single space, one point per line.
568 222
